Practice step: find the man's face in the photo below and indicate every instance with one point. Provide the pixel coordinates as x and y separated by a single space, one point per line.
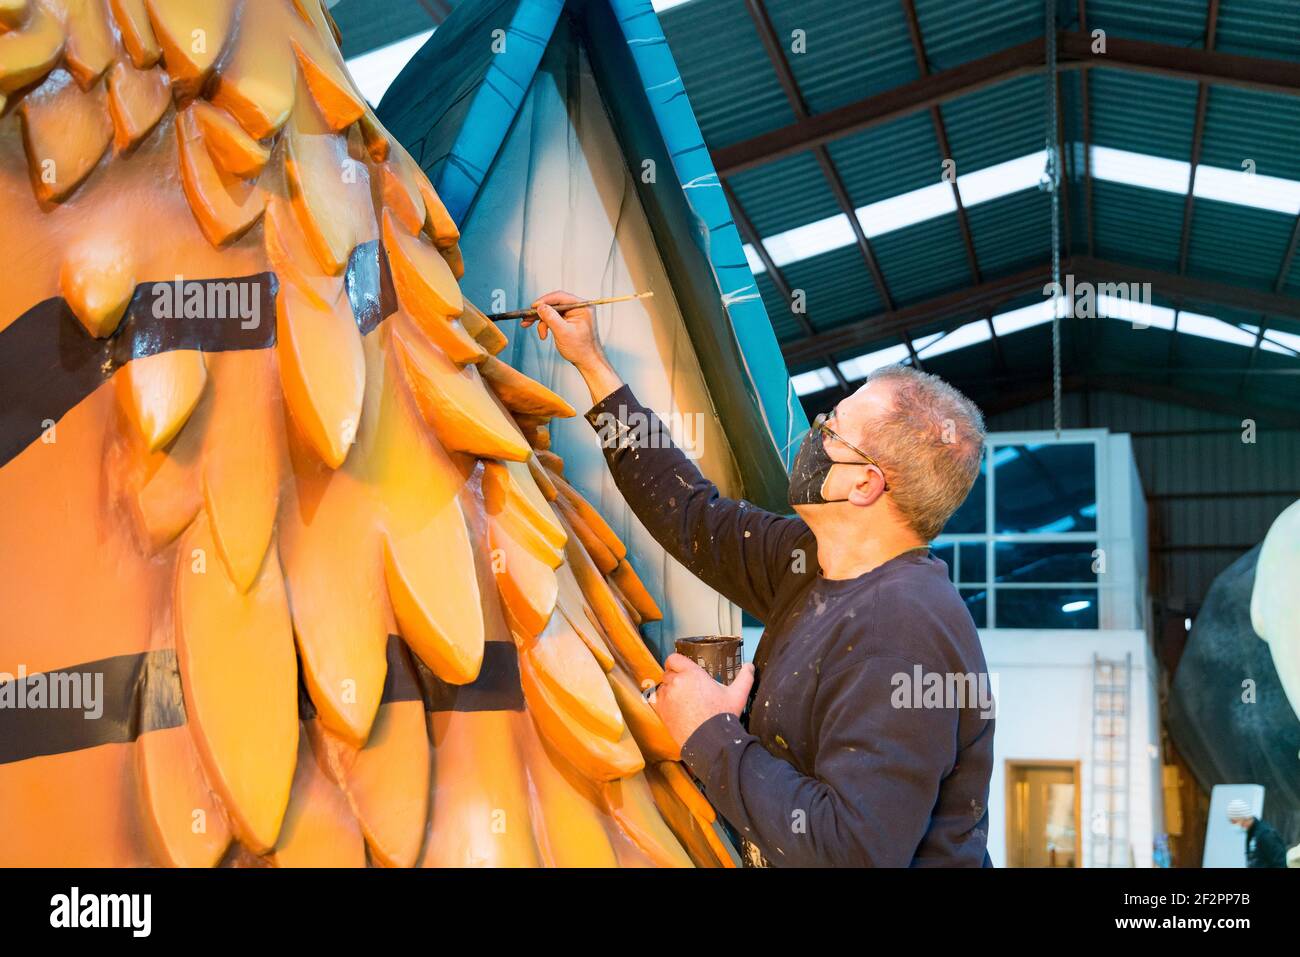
1243 822
852 419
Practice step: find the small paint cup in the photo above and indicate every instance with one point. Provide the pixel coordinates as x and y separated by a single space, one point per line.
719 655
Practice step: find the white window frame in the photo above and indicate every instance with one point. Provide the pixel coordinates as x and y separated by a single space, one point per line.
993 441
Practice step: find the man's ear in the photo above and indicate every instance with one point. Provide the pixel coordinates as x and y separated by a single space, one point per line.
869 488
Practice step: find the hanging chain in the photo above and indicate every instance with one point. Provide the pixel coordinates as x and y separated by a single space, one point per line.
1054 184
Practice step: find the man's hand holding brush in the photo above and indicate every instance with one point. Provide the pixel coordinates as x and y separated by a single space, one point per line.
574 331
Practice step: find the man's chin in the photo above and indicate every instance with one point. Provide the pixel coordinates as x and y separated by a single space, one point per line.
807 512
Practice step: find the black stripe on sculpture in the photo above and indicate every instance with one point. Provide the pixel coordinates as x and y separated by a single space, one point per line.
49 363
110 701
496 688
135 694
398 683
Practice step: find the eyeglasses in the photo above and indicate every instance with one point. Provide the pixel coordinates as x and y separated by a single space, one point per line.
819 427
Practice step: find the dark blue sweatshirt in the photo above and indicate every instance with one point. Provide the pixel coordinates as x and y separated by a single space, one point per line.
869 736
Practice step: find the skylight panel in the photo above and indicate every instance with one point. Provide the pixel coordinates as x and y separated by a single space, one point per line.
1134 312
961 337
1139 169
374 72
811 239
994 182
906 209
862 366
755 263
1265 344
1285 340
806 383
1026 317
1208 327
1248 189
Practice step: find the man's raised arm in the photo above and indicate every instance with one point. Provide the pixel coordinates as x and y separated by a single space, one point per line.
739 550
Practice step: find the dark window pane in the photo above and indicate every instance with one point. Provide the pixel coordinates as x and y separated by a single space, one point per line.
971 517
1043 562
1047 608
945 554
974 562
1045 488
976 600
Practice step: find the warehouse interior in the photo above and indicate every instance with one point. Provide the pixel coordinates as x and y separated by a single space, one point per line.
889 166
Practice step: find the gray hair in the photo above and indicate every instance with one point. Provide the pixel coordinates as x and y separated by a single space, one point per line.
929 445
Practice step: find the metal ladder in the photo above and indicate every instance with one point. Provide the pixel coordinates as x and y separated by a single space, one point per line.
1109 818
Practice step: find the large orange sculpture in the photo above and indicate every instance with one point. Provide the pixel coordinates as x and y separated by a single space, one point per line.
265 484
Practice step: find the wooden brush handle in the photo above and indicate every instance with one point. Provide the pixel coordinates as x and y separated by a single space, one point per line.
565 307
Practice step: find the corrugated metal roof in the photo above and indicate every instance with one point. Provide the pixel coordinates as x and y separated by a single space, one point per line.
853 50
1140 226
958 31
1019 123
857 50
1168 21
888 160
784 194
923 260
1238 245
729 80
1144 114
838 287
1260 28
1252 125
1013 232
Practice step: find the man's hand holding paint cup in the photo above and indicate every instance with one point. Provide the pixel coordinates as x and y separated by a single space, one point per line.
689 695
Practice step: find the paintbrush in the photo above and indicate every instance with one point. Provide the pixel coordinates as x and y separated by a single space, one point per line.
532 313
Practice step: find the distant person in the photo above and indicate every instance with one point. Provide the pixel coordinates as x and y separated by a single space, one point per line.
1264 845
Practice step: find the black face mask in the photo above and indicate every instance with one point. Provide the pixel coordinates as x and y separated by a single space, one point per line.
810 469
